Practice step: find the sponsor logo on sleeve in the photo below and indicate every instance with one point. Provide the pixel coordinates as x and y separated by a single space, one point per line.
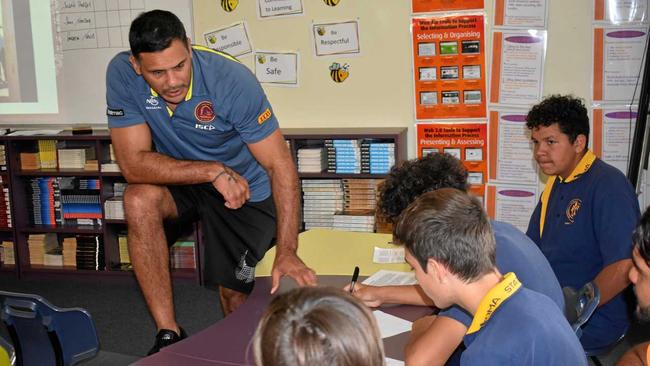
114 112
264 116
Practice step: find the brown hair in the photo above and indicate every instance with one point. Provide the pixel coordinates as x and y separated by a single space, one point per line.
317 326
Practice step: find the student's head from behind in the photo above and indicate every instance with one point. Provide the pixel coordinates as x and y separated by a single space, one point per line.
448 239
410 179
314 326
640 272
560 133
160 52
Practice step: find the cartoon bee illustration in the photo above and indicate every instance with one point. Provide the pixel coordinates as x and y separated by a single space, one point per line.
212 39
320 31
229 5
339 73
331 2
261 59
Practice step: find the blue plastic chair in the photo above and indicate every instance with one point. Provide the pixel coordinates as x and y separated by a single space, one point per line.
580 305
43 334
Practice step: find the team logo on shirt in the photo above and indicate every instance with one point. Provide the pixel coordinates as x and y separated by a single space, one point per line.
572 210
204 112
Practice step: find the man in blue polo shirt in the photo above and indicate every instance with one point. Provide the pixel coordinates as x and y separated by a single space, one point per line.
584 221
196 139
435 339
451 247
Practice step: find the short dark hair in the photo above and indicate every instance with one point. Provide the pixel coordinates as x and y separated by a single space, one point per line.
317 326
641 235
450 227
410 179
567 111
154 31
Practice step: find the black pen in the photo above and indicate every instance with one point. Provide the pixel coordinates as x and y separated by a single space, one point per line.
355 276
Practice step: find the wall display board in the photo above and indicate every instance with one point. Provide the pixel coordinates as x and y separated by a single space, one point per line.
618 55
449 66
513 204
279 69
466 141
428 6
613 129
511 150
621 11
517 67
521 13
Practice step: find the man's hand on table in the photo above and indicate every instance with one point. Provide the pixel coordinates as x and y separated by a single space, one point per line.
288 264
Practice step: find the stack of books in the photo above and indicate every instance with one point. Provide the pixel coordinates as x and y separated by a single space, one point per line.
29 161
3 158
114 208
111 165
311 160
53 257
343 156
125 259
322 198
182 255
81 207
75 158
40 245
45 197
58 201
90 253
70 252
5 207
377 157
360 194
47 153
8 255
355 220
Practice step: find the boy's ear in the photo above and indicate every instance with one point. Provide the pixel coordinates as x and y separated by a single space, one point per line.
437 270
580 143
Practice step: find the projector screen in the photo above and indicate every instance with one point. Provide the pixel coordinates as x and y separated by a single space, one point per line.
27 67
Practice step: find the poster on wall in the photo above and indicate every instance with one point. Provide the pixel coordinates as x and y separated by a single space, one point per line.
513 204
517 67
621 11
521 13
613 130
511 150
449 66
267 9
465 141
336 38
429 6
232 39
618 55
279 69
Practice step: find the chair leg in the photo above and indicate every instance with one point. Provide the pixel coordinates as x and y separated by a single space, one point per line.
595 360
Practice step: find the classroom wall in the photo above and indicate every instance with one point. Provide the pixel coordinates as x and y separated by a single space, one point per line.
378 92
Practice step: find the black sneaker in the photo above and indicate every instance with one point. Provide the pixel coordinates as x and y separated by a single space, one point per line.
164 338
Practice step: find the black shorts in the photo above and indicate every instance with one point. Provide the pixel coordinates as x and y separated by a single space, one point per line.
235 240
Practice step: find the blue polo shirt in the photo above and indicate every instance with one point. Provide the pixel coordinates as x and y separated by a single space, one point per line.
526 329
515 252
588 225
225 109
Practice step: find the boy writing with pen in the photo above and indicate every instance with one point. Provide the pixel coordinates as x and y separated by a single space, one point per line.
437 340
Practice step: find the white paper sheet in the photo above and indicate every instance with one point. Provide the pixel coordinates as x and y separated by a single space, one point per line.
387 255
390 325
515 204
515 162
393 362
34 132
622 55
391 278
525 13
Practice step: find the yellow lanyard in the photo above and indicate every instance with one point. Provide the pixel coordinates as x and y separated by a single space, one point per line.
494 298
583 166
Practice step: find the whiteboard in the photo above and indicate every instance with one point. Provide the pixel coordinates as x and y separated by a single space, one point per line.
87 35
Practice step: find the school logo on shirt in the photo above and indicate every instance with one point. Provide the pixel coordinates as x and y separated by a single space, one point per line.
264 116
204 112
572 210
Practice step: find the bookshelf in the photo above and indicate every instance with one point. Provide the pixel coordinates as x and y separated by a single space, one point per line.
19 183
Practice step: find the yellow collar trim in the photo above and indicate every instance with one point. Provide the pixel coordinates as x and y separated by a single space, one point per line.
494 298
583 166
188 96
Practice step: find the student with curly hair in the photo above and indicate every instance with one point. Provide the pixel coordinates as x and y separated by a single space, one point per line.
586 214
435 339
317 326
